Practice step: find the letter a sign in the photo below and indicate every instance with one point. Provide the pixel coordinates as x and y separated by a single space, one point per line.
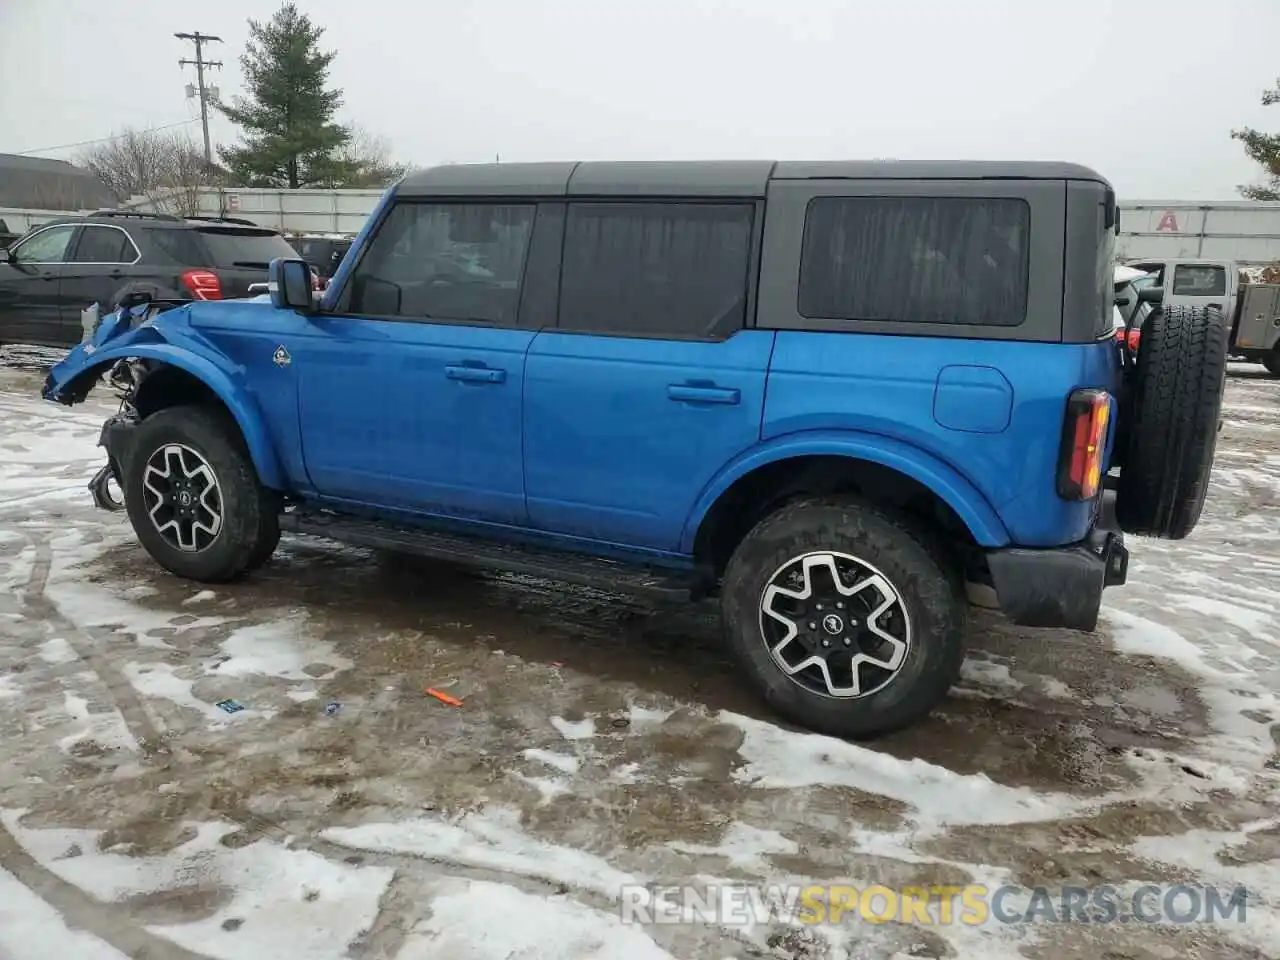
1168 223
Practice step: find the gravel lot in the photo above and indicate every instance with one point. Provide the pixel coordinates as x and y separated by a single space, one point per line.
600 743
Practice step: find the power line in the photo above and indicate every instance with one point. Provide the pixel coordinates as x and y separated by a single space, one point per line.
200 39
118 136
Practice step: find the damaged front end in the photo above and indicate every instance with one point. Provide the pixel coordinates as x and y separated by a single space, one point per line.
70 381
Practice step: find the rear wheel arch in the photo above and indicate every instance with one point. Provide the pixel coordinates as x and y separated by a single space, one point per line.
752 494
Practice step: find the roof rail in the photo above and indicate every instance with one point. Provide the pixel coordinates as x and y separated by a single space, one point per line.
138 214
235 220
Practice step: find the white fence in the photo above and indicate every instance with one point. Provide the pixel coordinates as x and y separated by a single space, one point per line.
21 220
291 211
1247 231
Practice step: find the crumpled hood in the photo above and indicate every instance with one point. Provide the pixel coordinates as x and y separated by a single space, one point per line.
109 342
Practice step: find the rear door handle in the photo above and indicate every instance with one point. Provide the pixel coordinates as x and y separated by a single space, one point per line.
475 374
685 393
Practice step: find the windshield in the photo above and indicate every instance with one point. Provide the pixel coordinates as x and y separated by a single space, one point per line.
247 248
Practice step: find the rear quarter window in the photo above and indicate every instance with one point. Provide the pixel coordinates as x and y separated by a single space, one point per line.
247 248
938 260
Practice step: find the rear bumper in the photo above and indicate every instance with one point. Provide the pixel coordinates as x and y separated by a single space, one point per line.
1061 586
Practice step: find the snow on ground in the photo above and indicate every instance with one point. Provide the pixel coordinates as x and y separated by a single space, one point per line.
601 748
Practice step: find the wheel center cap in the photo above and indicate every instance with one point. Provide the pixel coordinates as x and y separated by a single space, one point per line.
832 624
184 498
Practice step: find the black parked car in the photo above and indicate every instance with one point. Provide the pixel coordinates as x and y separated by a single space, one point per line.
324 253
56 270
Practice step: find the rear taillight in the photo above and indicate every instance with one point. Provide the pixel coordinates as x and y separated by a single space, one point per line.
1084 440
202 284
1135 335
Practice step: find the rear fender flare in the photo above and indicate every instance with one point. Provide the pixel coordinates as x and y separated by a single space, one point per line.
948 484
225 382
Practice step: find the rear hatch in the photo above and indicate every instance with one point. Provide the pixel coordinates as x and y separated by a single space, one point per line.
240 255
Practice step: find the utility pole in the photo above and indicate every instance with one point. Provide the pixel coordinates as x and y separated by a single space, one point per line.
200 39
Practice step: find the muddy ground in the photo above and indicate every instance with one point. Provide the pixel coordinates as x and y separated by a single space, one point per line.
345 813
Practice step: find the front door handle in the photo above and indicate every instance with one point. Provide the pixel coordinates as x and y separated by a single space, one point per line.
475 374
688 393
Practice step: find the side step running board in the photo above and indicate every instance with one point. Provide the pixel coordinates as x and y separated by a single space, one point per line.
553 565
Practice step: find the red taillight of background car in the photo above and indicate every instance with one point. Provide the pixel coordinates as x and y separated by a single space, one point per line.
202 284
1129 338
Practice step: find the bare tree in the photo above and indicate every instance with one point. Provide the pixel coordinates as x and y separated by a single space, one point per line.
166 168
368 156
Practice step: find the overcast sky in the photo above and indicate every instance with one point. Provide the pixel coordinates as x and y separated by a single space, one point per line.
1146 91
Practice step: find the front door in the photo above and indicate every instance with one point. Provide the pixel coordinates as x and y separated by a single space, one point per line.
651 383
410 391
30 309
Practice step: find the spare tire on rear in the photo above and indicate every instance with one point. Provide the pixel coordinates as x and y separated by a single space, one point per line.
1170 416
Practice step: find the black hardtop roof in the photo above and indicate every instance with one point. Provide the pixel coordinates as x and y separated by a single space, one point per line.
707 178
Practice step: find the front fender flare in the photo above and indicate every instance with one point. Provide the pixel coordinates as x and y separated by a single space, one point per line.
957 492
223 380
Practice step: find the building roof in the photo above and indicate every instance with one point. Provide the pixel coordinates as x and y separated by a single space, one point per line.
35 183
739 178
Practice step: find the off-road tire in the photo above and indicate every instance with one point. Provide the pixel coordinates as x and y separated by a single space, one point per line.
930 586
1172 409
1272 361
268 533
250 523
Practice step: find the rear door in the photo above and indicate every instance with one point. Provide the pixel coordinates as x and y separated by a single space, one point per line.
103 259
651 381
30 311
240 255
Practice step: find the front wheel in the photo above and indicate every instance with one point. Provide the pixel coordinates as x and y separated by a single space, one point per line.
193 496
844 618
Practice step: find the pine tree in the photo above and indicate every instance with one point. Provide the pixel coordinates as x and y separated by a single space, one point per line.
289 135
1264 149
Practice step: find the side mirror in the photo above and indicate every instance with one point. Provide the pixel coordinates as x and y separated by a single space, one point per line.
289 281
5 255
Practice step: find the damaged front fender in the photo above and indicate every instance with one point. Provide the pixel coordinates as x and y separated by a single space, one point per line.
165 339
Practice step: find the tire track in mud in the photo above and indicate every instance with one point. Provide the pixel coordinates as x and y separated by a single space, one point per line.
103 920
150 742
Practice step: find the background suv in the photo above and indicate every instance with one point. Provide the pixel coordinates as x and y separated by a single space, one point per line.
56 270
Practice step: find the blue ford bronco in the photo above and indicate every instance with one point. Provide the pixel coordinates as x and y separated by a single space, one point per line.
847 399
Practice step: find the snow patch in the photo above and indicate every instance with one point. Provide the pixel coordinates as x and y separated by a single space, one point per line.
30 929
462 927
779 759
490 839
291 903
159 680
278 648
56 651
744 846
561 762
575 729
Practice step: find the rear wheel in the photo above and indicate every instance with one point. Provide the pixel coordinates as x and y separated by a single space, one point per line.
193 496
843 618
1172 414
